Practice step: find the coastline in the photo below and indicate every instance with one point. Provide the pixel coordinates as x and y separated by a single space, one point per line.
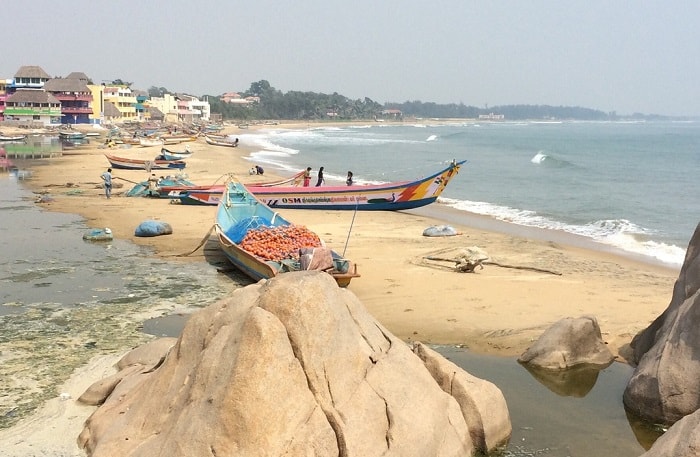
495 311
415 299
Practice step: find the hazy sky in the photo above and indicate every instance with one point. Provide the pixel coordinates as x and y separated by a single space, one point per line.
624 56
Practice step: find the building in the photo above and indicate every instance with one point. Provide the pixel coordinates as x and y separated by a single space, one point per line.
4 84
125 101
30 77
75 97
31 107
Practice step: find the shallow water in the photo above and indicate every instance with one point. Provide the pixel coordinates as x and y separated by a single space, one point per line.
572 413
64 300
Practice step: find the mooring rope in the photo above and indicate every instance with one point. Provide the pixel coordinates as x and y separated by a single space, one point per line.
201 243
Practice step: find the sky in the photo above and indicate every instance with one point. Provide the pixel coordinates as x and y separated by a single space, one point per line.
623 56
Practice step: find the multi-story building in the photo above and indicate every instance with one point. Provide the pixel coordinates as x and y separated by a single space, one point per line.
167 104
123 99
75 97
30 77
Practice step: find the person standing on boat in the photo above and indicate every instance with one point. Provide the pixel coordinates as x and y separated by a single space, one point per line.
307 177
320 177
348 180
107 178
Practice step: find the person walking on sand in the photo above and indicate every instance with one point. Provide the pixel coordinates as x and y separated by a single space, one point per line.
107 178
348 180
320 177
307 177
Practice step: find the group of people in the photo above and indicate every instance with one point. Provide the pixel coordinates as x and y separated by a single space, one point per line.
320 180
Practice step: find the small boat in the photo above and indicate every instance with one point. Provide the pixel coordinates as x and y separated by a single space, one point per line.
13 137
71 135
246 230
147 142
391 196
176 155
177 139
139 164
221 142
147 189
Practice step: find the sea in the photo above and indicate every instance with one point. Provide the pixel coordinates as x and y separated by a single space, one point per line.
626 187
630 187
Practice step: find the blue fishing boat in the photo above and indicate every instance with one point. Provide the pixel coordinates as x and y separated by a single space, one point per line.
262 244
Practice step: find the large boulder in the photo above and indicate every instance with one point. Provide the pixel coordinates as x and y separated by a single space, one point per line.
664 386
569 342
292 366
681 440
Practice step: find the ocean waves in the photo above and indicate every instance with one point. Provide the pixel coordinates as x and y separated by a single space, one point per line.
618 233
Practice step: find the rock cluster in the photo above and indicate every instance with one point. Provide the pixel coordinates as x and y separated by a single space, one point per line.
292 366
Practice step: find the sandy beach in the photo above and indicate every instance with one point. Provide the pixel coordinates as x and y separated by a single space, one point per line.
495 310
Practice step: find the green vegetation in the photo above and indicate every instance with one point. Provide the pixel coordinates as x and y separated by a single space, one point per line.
273 104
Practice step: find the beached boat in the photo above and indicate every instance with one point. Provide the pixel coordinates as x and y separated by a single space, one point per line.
391 196
149 189
12 137
177 139
221 141
148 142
247 229
175 155
71 135
123 163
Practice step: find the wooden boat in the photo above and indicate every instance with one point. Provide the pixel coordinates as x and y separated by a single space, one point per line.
139 164
71 135
177 139
244 225
147 142
175 155
13 137
221 142
391 196
146 188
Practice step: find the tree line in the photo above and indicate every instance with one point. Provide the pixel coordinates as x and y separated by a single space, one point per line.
312 106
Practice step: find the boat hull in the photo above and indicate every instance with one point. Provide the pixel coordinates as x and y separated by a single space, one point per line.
217 142
175 155
238 208
122 163
395 196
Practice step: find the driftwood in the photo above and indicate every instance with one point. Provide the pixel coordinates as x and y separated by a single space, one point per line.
463 265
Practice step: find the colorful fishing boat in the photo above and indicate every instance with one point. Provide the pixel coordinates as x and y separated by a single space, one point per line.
391 196
247 229
123 163
175 155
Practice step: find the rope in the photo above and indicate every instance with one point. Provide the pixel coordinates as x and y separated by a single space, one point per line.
347 240
132 182
201 243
